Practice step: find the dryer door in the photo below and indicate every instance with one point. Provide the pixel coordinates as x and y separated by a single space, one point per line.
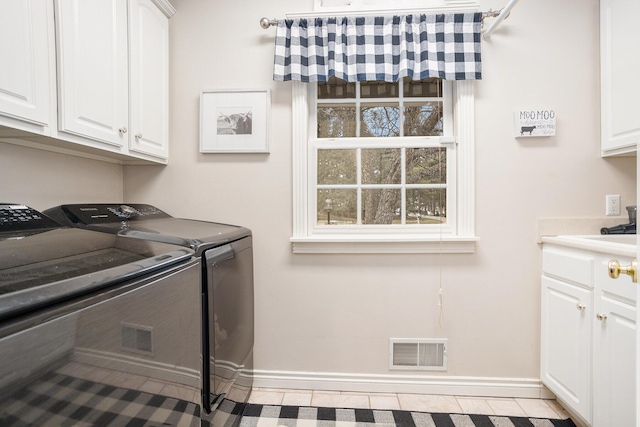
229 329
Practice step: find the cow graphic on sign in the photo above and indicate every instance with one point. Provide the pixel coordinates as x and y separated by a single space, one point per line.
234 121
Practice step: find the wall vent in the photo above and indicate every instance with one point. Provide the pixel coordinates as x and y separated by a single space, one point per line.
422 354
136 338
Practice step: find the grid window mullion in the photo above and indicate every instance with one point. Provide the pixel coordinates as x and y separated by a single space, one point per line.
358 121
359 183
401 105
403 182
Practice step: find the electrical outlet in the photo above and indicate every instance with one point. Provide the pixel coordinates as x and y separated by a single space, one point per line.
613 204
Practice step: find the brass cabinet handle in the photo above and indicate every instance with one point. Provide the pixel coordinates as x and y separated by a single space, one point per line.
615 269
601 317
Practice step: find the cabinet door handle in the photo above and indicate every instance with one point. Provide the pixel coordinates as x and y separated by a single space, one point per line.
123 130
138 135
581 307
601 317
615 269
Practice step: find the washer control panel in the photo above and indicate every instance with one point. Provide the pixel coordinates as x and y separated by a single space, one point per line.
16 217
105 213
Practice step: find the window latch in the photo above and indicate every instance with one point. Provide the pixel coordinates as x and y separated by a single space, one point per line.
447 140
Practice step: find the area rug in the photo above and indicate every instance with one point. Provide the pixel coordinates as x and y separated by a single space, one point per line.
304 416
58 400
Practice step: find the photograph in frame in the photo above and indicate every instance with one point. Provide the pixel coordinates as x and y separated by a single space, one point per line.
234 121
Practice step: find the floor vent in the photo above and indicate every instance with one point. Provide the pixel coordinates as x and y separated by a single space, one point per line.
422 354
137 338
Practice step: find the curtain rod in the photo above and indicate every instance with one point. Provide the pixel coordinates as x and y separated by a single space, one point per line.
504 13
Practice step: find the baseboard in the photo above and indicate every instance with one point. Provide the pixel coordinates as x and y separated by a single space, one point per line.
412 384
135 365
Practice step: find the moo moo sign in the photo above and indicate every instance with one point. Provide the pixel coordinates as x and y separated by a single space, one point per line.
535 122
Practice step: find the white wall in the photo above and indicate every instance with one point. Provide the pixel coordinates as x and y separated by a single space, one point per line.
335 313
43 179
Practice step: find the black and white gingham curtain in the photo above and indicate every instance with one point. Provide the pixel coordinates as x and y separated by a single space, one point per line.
379 48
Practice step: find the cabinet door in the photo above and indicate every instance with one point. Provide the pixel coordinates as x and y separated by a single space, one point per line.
24 49
565 365
614 363
93 69
620 86
149 68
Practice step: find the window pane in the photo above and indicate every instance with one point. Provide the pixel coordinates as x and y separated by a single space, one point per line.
337 167
423 119
381 166
335 89
337 121
380 120
378 90
426 88
381 206
426 206
337 207
426 165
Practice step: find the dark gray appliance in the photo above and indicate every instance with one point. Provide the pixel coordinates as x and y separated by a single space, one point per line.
95 329
226 256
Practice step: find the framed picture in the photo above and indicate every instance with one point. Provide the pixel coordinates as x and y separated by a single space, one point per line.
234 121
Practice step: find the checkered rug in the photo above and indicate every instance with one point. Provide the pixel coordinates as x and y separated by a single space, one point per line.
296 416
60 401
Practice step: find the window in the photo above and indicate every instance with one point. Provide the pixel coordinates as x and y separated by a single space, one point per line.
379 160
383 168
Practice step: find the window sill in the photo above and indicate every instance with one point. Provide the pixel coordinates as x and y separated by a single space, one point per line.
382 245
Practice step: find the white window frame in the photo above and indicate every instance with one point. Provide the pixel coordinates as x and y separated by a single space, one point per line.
307 238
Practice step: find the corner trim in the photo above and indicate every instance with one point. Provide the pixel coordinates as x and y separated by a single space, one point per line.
165 7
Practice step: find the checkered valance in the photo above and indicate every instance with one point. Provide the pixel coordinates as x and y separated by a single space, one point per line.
379 48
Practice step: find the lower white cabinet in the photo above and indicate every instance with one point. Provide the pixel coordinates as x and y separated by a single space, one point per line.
566 343
588 323
614 356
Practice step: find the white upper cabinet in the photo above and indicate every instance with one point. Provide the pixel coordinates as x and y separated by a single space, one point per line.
25 74
149 77
619 71
90 75
93 69
113 73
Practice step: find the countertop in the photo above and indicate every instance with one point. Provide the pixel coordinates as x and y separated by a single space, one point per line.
610 244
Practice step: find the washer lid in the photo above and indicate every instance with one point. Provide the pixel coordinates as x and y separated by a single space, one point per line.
147 222
54 265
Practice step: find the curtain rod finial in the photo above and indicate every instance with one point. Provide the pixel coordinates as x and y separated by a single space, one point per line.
266 22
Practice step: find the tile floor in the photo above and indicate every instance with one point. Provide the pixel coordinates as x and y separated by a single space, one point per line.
538 408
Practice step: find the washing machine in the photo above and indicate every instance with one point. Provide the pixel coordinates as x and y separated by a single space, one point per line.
95 328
